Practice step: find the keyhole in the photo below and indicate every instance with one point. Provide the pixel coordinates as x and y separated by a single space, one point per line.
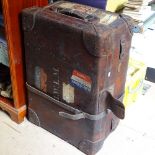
120 51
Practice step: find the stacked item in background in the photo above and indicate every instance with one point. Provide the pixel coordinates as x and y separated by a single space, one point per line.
139 10
141 56
108 5
136 70
135 81
115 5
5 81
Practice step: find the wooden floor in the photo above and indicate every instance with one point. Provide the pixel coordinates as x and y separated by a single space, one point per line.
134 135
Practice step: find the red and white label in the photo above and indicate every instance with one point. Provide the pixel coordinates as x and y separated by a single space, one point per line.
81 80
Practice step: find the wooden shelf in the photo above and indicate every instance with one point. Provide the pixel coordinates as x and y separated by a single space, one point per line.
11 12
16 115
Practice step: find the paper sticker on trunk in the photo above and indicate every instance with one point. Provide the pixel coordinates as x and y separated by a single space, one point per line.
68 93
81 81
107 19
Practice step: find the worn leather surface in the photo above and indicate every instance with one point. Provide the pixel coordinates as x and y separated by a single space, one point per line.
78 55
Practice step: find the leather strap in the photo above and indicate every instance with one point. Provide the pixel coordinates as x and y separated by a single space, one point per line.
115 106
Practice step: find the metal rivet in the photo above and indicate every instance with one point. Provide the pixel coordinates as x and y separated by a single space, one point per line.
109 74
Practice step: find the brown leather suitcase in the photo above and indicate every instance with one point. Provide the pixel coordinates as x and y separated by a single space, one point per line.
76 63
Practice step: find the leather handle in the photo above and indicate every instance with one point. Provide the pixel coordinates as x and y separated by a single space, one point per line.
71 13
77 14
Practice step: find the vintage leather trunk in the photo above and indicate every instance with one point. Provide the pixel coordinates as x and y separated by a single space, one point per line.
76 63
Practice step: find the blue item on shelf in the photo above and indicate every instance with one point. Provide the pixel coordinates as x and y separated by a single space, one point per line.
1 20
94 3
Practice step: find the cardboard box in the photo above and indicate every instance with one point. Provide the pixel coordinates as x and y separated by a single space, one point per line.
134 84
